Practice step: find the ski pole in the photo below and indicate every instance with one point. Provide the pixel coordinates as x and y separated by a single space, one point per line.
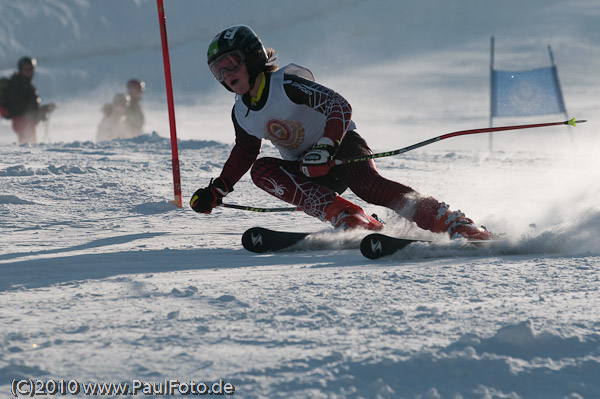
333 162
254 209
360 158
47 112
46 138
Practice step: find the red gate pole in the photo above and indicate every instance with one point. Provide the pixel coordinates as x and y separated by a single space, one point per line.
171 107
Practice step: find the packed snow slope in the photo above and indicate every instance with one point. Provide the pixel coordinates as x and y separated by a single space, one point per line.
103 279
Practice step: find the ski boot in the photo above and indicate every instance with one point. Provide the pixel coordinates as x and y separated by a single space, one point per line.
346 215
457 225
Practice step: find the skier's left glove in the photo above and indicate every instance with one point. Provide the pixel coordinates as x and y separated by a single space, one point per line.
205 199
316 162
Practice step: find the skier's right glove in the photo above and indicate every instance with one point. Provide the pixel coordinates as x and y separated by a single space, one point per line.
205 199
316 162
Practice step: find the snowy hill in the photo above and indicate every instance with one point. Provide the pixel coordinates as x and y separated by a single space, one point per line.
103 279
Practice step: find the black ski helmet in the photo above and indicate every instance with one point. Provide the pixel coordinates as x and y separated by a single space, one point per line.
242 38
26 61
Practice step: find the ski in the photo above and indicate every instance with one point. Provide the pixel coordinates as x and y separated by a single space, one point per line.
376 245
373 246
261 240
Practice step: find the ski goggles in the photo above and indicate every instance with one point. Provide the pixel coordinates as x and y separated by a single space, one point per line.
229 62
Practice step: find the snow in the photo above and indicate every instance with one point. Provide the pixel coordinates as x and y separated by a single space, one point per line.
103 279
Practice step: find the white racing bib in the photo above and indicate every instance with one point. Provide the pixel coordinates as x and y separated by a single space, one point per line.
292 128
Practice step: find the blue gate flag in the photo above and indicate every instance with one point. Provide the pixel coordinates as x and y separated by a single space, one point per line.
525 93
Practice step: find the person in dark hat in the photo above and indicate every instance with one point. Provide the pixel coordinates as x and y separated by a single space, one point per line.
21 103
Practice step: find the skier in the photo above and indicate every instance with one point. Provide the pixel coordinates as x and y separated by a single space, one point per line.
309 124
20 102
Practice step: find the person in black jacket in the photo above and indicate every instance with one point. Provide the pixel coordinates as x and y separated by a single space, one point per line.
21 102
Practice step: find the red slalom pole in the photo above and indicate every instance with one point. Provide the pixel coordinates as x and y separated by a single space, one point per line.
171 106
571 122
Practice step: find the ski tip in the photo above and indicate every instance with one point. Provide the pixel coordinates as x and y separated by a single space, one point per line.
371 246
260 240
376 245
252 240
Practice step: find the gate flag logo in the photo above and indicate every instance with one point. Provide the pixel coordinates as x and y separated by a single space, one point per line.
532 92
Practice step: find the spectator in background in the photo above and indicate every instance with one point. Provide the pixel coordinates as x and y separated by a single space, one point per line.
114 125
21 103
134 116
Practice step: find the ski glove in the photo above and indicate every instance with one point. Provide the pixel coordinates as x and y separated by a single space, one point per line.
205 199
316 162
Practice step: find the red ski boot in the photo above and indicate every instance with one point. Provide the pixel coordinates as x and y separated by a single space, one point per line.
457 225
346 215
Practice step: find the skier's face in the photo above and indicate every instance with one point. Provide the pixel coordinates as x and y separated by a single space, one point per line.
228 62
238 80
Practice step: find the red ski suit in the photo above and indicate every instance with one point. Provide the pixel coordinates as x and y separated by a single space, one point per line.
284 179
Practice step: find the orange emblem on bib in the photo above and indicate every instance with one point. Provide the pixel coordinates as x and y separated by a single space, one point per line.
284 134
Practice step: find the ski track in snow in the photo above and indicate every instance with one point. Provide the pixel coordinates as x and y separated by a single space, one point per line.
104 279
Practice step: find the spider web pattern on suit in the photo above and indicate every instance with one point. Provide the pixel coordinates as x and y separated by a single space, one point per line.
326 101
271 175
